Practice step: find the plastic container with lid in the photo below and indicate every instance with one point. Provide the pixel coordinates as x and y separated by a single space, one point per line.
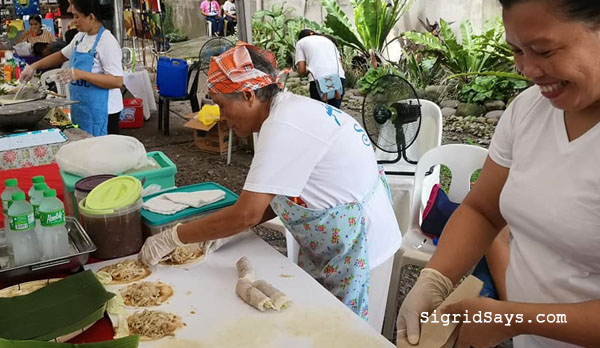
84 186
111 215
153 223
162 174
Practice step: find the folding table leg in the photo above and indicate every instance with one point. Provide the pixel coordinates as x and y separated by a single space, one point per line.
160 113
166 117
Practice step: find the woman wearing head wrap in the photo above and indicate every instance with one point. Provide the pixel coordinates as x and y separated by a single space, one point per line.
314 167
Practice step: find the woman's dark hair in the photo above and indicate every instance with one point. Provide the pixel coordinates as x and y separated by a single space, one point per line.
100 9
308 32
36 18
38 48
304 33
70 34
587 11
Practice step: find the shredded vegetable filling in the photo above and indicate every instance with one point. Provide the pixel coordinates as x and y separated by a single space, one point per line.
143 294
182 255
126 270
154 324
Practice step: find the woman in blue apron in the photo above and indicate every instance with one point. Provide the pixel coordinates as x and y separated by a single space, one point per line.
315 168
94 72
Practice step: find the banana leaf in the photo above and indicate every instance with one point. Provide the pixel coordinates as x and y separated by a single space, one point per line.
53 310
125 342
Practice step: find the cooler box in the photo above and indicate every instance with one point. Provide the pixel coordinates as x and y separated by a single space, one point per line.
171 77
163 175
132 115
153 223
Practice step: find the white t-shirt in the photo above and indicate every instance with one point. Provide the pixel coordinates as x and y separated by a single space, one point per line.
318 52
326 160
229 7
106 61
551 201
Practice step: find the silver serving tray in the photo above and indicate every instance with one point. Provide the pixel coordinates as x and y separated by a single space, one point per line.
81 247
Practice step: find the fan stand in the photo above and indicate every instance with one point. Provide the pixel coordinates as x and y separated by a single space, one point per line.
401 155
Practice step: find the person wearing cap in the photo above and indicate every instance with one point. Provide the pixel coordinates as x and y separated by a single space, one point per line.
315 168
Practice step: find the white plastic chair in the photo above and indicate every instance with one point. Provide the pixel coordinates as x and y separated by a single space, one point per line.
209 31
292 246
50 76
430 136
417 249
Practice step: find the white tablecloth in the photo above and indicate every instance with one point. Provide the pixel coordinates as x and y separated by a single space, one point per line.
138 83
204 296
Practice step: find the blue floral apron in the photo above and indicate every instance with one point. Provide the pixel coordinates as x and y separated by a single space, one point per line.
91 114
333 246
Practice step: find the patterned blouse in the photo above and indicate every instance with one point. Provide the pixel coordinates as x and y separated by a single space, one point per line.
45 37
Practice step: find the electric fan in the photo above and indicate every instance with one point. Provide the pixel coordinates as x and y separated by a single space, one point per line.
391 114
212 48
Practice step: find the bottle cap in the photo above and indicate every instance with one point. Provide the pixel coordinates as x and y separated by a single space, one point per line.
18 196
38 179
11 182
41 186
49 193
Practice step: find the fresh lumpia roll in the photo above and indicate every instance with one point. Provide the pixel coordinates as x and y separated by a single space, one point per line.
245 270
252 295
279 299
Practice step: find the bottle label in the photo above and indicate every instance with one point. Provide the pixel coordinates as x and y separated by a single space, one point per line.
5 206
22 222
36 211
52 219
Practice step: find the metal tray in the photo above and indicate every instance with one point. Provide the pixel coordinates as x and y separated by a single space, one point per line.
81 247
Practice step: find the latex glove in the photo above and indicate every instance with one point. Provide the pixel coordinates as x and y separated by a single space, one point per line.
430 290
65 76
486 334
27 73
211 246
160 245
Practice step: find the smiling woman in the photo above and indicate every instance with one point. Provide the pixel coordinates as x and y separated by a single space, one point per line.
541 179
95 73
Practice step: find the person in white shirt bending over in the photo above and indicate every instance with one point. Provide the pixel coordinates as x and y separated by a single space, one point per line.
317 55
230 14
314 167
542 180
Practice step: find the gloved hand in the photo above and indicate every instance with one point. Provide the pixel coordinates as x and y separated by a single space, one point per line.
211 246
158 246
65 76
430 290
27 73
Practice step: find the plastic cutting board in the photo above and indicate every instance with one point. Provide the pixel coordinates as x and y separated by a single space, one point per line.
155 219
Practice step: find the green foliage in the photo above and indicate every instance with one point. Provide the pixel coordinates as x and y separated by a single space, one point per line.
176 37
421 71
369 82
172 34
484 88
475 53
373 21
277 30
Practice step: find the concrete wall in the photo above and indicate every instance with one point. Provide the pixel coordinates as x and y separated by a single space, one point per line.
188 19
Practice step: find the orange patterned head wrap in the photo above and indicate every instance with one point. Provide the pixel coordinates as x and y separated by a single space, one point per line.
233 71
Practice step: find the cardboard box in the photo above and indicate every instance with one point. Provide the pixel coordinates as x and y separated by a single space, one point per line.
213 138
